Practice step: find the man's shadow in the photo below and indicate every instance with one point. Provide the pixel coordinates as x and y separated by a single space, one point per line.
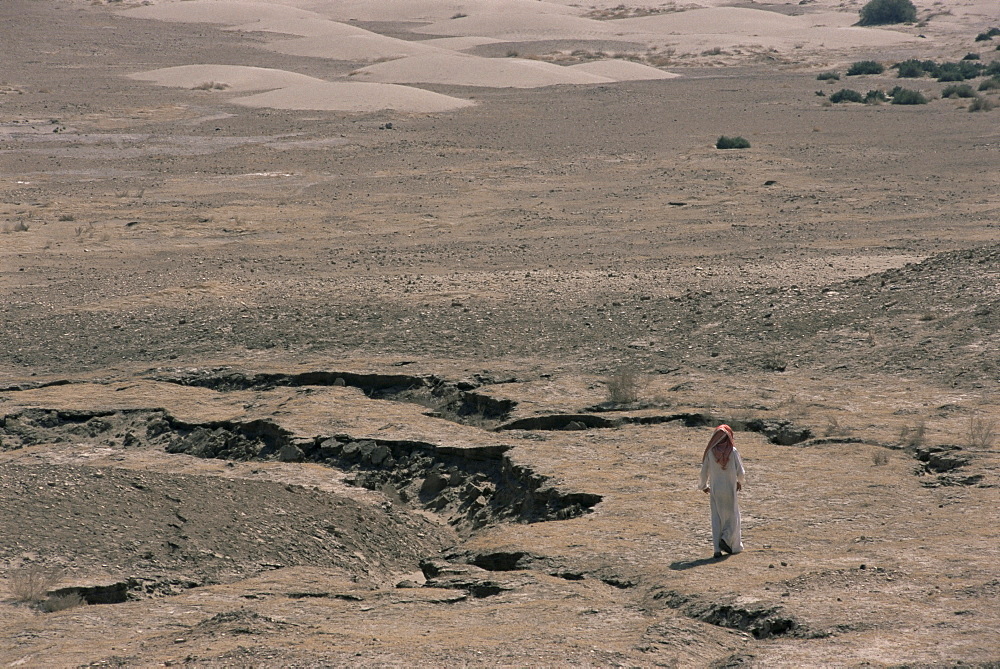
700 562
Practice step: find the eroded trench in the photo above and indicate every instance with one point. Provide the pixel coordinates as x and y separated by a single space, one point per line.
470 487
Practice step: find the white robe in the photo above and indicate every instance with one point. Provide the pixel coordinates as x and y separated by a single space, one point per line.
725 507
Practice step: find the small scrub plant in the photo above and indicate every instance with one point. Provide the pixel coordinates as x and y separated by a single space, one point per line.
865 67
987 34
958 91
906 96
624 386
62 602
885 12
981 104
960 71
971 56
828 76
31 584
912 437
847 95
874 97
210 86
910 69
991 84
982 432
880 458
773 362
725 142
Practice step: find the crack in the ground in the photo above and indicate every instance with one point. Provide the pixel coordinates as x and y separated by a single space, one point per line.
763 621
450 400
472 487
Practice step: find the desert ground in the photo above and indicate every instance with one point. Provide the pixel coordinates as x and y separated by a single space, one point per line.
392 333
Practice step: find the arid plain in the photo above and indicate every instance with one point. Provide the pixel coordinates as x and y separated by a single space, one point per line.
321 318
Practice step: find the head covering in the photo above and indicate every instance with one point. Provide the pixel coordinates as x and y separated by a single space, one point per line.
720 445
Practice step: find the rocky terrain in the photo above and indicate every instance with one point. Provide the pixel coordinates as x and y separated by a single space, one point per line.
310 387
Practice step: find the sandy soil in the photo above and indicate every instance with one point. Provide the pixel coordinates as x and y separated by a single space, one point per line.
314 312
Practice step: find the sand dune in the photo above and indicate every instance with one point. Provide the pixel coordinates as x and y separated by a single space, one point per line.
461 43
325 29
355 47
427 10
231 12
235 77
354 97
622 70
755 26
290 90
515 26
465 70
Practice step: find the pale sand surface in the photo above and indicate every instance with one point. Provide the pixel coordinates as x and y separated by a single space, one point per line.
235 78
475 71
368 47
220 11
354 97
461 43
623 70
427 10
425 46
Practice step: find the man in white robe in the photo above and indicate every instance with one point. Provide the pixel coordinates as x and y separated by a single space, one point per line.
722 477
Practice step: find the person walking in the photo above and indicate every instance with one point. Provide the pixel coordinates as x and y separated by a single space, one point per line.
722 476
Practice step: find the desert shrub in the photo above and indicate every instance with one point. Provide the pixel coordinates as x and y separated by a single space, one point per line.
981 104
910 69
991 84
991 70
958 91
731 143
971 56
828 76
912 437
773 361
982 432
62 602
30 584
624 386
883 12
874 97
988 34
865 67
210 86
906 96
846 95
880 458
960 71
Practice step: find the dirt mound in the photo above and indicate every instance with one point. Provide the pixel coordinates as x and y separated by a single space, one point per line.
162 532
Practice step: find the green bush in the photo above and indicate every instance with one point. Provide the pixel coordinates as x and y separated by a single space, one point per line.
731 143
991 70
874 97
865 67
910 69
828 76
905 96
991 84
981 104
883 12
971 56
846 95
958 91
960 71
